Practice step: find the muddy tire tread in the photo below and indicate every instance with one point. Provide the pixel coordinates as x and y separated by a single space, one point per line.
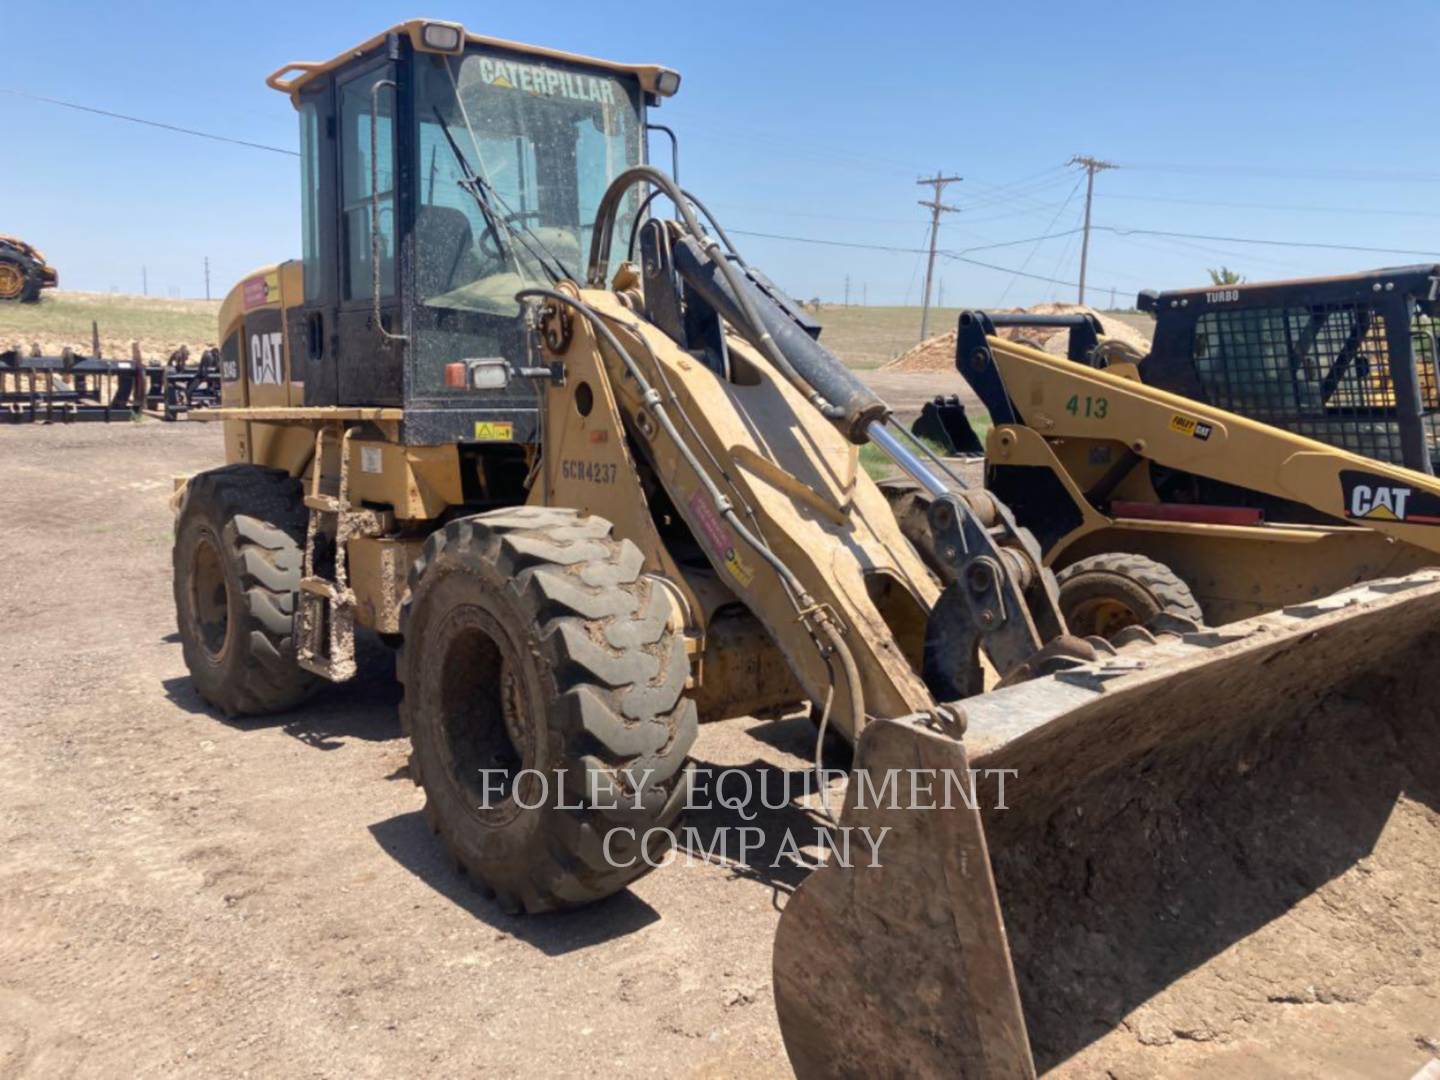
620 673
262 527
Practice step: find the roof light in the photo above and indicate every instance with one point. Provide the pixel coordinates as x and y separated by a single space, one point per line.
667 82
442 37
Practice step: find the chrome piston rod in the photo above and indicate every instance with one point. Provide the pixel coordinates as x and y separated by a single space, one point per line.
908 461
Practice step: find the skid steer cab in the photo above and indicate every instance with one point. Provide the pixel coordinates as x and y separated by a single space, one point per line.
1348 361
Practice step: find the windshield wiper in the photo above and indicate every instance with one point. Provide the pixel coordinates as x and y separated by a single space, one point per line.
483 193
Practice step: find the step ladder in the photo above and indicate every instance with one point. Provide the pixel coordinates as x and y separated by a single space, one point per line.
325 607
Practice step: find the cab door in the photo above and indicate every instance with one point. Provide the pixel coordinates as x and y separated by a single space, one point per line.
369 368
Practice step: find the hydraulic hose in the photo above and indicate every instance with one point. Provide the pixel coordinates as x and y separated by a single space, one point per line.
600 262
855 406
832 645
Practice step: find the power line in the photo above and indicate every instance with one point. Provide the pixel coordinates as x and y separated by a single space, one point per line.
954 256
149 123
1016 243
1122 231
1173 248
1011 284
1379 175
1009 270
1271 206
833 243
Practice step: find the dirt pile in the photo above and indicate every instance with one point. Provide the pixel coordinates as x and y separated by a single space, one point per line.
938 353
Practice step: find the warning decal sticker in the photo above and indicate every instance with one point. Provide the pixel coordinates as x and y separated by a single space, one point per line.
721 540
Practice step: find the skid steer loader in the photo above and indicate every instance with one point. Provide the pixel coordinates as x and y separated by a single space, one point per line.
595 500
1144 502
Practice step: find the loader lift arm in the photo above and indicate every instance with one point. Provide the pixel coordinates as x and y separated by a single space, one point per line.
763 468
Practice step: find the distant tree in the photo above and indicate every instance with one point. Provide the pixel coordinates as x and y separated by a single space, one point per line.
1225 276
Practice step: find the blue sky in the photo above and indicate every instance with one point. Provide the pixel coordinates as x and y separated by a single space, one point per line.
1286 121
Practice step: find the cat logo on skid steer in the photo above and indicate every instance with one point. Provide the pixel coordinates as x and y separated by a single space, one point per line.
1378 498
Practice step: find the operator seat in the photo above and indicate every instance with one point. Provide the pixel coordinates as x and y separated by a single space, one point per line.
445 255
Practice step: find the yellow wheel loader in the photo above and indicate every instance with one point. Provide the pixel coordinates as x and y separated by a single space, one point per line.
597 479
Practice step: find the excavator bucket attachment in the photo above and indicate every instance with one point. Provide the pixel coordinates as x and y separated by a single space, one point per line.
1191 834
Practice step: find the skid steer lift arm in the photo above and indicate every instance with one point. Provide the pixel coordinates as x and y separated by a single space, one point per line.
1050 411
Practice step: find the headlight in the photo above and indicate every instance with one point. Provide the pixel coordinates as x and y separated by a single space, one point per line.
489 373
667 82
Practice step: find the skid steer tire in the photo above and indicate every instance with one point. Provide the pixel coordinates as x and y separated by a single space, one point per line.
239 541
1103 594
545 700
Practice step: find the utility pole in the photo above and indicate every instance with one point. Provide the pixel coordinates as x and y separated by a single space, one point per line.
847 290
939 182
1092 166
207 277
865 295
144 281
940 300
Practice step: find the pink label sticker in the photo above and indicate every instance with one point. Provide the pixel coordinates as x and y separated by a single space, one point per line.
256 292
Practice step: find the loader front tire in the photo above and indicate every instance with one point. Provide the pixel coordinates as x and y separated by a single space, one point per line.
1103 594
546 704
239 540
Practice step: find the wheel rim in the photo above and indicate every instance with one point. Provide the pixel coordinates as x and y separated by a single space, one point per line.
1101 616
209 599
487 717
12 282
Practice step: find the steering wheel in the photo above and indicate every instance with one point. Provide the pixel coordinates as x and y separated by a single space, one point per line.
490 242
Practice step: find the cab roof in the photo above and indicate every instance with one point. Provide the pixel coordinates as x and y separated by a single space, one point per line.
653 78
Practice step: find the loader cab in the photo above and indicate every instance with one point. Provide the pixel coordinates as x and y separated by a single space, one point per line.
1349 361
441 172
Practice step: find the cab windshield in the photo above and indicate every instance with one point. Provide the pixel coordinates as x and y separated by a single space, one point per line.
515 153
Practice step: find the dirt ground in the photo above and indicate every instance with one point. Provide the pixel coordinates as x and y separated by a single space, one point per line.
184 895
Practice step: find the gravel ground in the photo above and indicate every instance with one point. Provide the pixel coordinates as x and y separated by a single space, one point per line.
184 895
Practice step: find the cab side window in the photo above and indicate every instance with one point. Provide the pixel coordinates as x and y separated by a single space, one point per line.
355 184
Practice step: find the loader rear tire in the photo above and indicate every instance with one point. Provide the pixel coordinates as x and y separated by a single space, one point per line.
239 541
1106 593
545 700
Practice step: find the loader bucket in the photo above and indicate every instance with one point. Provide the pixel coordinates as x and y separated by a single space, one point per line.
1196 835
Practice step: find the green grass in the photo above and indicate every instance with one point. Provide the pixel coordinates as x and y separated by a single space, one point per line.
63 318
869 337
878 464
